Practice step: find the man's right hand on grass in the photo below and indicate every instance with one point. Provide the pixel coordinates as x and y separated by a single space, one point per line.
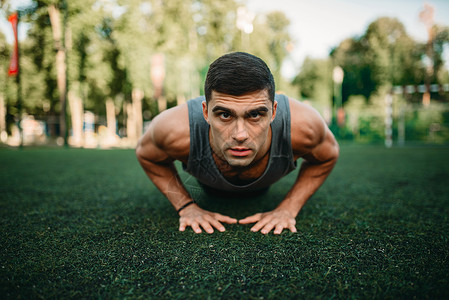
196 217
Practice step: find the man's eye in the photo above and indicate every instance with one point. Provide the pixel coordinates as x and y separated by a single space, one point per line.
254 114
225 115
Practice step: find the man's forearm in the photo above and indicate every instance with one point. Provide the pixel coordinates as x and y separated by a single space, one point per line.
166 178
310 178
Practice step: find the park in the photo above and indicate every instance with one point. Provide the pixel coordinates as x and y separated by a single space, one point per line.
80 219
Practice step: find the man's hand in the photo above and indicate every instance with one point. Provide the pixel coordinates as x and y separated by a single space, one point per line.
195 217
279 219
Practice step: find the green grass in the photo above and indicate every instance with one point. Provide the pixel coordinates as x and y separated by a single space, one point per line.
89 224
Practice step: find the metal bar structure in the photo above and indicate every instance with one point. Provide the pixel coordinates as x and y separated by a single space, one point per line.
403 90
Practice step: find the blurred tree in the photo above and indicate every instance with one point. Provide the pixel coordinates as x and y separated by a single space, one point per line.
135 43
384 55
269 41
117 85
46 19
277 38
175 51
89 73
394 57
215 26
440 41
315 83
111 45
5 107
357 78
50 32
37 64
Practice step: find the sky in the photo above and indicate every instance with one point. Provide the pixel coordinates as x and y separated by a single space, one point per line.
317 26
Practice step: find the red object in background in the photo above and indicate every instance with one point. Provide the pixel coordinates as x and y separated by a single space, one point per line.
14 64
341 117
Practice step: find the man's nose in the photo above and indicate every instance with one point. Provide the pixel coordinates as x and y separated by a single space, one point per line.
240 132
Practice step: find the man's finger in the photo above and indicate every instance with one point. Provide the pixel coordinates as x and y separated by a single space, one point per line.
196 227
182 227
215 223
267 228
279 228
292 228
260 224
225 219
251 219
206 225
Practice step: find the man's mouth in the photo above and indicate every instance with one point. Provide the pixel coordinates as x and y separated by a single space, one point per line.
240 151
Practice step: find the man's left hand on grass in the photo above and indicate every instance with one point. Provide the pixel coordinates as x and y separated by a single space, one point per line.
278 219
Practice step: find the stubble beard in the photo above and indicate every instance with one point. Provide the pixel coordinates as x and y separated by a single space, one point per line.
230 162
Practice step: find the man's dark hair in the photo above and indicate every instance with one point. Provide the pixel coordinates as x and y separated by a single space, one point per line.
238 73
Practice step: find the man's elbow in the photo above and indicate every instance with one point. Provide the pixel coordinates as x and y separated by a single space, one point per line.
140 151
332 148
335 152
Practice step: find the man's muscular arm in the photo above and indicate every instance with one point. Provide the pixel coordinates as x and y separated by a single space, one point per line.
167 140
315 143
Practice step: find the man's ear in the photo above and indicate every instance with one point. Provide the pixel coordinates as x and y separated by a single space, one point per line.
205 113
275 106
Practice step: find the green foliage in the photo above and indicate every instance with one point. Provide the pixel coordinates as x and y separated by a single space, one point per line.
4 54
110 45
278 37
269 41
384 55
438 46
315 83
215 27
429 124
366 119
8 90
39 49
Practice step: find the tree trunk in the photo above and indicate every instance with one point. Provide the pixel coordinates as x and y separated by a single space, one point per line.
161 103
77 114
3 133
110 117
130 123
57 29
137 96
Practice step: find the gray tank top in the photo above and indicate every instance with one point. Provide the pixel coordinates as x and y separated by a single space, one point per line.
202 165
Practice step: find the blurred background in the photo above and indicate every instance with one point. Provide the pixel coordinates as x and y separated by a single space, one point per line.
94 73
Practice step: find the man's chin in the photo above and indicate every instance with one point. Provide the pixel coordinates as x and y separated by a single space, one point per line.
240 162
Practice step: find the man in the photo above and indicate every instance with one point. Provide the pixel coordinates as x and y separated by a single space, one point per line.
240 137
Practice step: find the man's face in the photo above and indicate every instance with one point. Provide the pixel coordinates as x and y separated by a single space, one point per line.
240 126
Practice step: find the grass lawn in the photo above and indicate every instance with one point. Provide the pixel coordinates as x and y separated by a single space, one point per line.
89 224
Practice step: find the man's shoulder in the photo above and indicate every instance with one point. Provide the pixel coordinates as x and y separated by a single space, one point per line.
307 126
171 131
